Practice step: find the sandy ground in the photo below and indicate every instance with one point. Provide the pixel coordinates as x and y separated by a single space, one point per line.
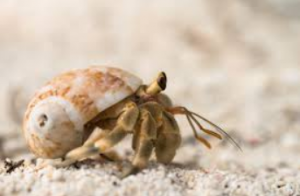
235 62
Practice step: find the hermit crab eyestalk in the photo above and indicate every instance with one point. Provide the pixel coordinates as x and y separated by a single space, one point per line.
49 131
158 85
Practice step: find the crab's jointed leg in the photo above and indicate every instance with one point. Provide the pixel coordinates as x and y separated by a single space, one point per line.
143 143
125 124
97 134
168 139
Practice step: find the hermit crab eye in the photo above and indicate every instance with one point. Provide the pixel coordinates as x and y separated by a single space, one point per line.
42 120
162 81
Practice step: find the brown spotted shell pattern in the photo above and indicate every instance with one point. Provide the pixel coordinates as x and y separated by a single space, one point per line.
55 117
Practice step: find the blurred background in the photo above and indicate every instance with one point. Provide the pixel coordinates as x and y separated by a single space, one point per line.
236 62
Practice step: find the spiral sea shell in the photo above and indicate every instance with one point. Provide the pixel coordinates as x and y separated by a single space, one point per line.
55 117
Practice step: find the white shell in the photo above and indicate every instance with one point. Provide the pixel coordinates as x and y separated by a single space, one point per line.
70 100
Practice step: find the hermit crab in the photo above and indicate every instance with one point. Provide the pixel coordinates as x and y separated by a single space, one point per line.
86 112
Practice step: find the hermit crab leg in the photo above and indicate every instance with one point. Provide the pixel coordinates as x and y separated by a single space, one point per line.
125 124
145 145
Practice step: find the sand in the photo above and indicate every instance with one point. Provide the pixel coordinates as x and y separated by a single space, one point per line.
235 62
94 178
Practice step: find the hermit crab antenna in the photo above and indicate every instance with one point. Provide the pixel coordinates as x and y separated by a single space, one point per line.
199 138
209 132
219 129
191 116
158 85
